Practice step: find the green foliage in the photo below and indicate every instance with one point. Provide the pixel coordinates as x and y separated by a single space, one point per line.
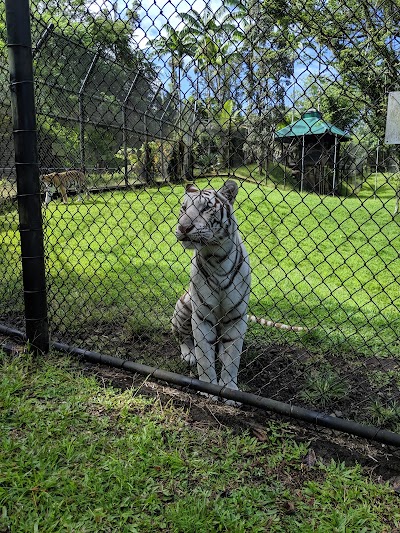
363 64
151 161
387 415
131 154
324 386
58 141
333 101
80 456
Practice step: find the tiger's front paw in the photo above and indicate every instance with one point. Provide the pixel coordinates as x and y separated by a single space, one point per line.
232 403
187 355
211 397
189 358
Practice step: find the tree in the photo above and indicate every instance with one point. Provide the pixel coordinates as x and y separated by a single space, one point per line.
332 101
228 121
178 47
265 51
65 60
208 34
362 41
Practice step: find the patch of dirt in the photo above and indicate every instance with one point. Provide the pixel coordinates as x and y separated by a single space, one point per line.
354 387
381 460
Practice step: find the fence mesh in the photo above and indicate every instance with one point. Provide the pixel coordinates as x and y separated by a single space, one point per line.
12 305
288 100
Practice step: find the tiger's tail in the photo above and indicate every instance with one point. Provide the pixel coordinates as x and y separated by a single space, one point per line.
278 325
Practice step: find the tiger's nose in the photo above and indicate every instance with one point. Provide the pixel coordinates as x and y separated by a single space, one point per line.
185 229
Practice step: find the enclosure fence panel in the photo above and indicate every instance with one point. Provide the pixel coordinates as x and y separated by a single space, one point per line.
289 101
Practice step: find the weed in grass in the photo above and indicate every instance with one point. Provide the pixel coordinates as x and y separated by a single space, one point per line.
383 379
386 415
323 386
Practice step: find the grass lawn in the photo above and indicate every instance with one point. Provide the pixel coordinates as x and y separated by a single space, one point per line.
327 263
79 456
278 175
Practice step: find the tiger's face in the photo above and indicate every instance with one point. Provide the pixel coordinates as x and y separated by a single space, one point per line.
206 216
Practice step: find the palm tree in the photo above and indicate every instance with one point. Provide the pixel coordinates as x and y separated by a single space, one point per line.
228 120
210 37
209 33
267 61
178 47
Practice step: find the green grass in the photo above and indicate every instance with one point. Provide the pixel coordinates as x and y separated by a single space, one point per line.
327 263
277 175
378 186
77 456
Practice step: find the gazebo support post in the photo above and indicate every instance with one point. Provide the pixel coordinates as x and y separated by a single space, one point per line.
334 184
303 149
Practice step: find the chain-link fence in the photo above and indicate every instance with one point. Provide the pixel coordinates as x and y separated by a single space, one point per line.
288 100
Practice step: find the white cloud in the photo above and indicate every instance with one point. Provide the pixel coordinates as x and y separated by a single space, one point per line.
156 13
98 5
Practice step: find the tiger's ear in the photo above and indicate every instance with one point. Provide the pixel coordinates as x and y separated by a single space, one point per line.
190 187
229 190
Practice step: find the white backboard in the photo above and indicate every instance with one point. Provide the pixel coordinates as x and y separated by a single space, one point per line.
392 133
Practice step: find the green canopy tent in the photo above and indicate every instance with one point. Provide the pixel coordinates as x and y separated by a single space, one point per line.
310 147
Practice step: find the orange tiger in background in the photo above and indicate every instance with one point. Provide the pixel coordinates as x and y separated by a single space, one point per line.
68 179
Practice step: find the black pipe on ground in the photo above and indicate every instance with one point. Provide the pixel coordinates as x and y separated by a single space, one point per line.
298 413
19 45
12 332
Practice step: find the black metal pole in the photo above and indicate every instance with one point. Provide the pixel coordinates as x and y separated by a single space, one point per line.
27 169
81 133
298 413
43 39
124 130
125 145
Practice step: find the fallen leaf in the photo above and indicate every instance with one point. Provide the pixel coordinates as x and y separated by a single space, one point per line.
310 459
289 508
259 433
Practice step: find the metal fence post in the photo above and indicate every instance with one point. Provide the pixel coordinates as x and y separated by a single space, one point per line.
27 171
43 39
124 130
82 111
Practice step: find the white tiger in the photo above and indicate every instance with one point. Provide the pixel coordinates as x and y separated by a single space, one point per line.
210 319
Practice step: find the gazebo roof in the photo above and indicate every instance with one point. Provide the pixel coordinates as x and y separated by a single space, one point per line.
311 123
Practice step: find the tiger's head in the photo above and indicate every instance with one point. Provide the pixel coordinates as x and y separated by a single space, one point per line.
206 216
